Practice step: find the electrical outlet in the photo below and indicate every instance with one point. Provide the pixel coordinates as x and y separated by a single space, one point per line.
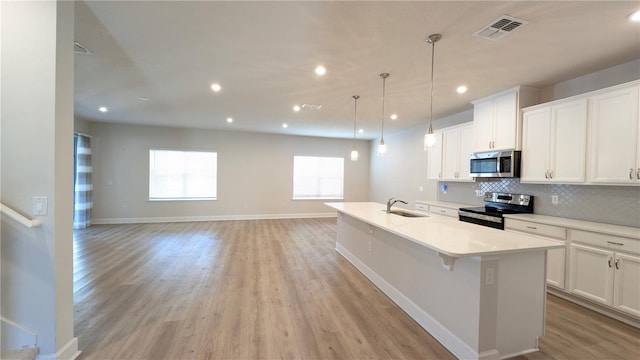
554 199
489 276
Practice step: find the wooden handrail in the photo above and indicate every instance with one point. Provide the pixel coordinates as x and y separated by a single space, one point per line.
30 223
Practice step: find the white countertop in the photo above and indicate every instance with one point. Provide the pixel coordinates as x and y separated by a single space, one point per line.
616 230
445 235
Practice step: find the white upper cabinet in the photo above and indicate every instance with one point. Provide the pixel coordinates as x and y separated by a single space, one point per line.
496 119
615 145
456 147
434 155
554 143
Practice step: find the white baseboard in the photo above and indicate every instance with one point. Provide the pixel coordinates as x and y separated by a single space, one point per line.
458 347
68 352
150 220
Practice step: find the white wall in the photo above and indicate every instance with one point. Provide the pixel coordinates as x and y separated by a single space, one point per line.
255 177
403 170
37 159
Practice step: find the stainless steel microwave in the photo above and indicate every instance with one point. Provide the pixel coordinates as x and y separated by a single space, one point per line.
495 164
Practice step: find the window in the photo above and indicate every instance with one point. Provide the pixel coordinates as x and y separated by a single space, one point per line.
318 177
182 175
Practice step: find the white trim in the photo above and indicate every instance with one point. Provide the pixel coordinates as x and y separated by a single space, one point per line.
149 220
68 352
449 340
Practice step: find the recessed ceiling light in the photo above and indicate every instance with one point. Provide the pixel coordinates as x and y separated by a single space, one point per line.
216 87
143 98
103 109
461 89
285 125
320 70
229 120
361 131
394 116
296 108
635 16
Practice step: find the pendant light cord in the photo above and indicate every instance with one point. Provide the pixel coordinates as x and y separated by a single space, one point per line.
433 51
355 117
384 79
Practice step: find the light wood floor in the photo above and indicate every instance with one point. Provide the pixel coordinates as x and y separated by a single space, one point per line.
267 289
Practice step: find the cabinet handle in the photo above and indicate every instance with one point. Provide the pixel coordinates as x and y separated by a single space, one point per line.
550 174
617 262
609 260
532 227
631 174
443 211
615 243
546 174
638 174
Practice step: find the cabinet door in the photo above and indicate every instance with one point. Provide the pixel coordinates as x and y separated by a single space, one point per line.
465 138
627 284
450 154
555 267
434 156
591 274
613 119
568 150
483 125
535 145
505 121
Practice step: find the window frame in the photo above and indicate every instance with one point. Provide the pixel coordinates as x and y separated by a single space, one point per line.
318 196
199 198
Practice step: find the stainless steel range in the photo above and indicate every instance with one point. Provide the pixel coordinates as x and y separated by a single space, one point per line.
495 205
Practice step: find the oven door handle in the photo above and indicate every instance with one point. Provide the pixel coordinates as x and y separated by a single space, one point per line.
480 216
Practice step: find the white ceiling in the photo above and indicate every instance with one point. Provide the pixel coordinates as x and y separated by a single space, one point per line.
264 53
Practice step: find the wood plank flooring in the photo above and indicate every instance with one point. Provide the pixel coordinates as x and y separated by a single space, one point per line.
267 289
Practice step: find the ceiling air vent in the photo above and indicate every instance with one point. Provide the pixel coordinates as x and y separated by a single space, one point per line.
311 106
500 27
80 49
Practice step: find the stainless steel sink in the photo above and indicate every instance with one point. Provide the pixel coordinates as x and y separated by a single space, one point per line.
406 213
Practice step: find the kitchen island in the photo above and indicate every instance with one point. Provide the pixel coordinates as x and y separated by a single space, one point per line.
479 291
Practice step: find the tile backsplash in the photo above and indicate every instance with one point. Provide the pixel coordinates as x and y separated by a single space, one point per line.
618 205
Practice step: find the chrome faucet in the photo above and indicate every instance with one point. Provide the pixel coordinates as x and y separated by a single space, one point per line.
390 203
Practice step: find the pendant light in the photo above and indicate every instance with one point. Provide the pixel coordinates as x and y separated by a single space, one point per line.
429 137
354 151
382 148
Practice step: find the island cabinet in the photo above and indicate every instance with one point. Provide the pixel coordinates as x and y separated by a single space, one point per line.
467 285
456 147
606 269
615 135
554 143
497 121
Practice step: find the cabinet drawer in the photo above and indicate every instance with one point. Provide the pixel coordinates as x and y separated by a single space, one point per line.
536 229
422 207
437 210
610 242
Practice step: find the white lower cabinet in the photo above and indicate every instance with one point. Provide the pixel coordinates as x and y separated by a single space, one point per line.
603 272
555 267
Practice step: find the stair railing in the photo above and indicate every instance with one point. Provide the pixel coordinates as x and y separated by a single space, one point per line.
30 223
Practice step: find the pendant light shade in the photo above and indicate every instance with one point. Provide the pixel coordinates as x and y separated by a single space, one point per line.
354 150
382 148
429 137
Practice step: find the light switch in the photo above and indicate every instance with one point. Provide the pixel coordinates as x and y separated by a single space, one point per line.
39 205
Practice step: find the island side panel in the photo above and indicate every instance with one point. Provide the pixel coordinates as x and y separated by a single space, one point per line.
446 303
521 302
